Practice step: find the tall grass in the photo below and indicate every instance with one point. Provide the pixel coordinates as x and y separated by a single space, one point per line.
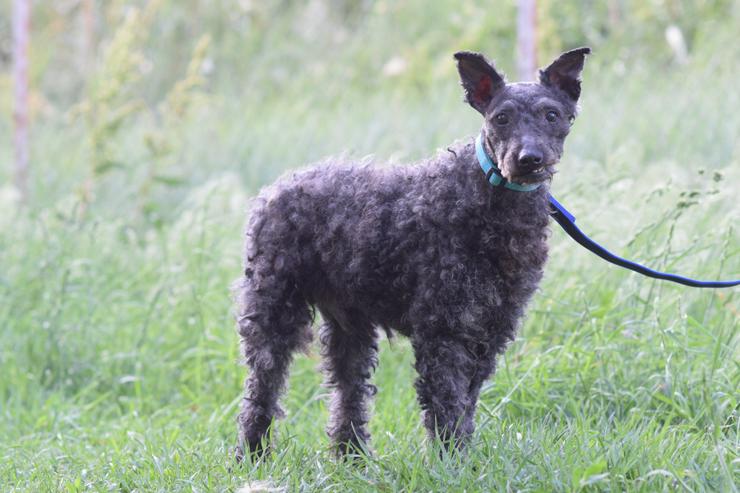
118 356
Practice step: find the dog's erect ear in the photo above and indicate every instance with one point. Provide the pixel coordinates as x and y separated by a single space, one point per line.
565 72
479 79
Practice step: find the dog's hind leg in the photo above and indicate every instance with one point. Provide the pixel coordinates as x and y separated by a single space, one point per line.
274 322
350 355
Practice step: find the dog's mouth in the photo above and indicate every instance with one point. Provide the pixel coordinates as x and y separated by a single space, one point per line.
536 175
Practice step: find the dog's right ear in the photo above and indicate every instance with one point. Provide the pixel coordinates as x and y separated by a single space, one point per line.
479 79
565 72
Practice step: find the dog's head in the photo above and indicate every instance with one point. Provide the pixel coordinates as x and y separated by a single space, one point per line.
525 123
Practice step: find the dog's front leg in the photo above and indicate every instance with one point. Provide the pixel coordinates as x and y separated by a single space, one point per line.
446 371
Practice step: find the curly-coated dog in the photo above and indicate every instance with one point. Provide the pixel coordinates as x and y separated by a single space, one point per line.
430 250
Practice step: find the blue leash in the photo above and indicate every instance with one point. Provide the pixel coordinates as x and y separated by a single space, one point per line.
567 221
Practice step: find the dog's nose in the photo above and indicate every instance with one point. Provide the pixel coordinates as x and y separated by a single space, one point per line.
530 158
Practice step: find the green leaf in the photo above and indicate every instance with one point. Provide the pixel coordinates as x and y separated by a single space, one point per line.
172 181
108 165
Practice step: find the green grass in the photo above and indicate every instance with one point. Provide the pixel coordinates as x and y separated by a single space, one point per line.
118 354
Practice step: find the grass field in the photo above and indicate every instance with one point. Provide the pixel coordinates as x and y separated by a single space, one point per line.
118 353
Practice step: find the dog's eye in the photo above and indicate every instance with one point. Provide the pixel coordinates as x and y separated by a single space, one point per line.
551 116
502 118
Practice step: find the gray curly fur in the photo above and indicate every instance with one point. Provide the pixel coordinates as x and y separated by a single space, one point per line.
428 250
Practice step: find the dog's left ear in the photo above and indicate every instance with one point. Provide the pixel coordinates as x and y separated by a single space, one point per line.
565 72
479 79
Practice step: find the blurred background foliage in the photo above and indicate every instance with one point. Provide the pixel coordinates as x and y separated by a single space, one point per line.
153 122
164 93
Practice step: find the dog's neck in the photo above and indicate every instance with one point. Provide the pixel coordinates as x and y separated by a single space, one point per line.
491 170
493 203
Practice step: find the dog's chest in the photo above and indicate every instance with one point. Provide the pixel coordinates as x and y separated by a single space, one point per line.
515 247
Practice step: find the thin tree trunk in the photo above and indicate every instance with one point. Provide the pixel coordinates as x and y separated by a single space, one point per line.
526 39
614 11
88 29
21 30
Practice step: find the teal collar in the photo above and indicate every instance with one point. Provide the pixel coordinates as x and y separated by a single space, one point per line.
493 174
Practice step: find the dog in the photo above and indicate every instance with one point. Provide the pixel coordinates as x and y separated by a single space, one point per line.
431 251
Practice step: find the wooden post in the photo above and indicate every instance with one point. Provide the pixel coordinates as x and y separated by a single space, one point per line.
526 39
21 30
614 12
88 30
